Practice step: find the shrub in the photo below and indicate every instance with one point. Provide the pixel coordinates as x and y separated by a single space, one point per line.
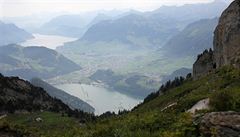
225 101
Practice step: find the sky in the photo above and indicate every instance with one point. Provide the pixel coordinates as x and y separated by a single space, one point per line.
11 8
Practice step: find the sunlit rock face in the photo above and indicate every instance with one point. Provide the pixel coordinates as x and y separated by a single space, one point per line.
227 37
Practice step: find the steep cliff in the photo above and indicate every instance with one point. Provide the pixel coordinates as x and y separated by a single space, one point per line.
204 64
227 37
226 43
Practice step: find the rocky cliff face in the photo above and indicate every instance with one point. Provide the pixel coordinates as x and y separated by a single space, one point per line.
226 45
204 64
227 37
220 124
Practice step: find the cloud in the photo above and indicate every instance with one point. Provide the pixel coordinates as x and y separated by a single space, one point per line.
27 7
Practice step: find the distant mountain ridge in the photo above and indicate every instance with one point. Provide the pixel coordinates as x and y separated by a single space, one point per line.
29 62
193 39
189 13
11 34
72 101
70 25
148 29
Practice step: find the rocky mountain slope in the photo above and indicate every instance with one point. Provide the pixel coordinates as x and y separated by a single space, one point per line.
20 96
29 62
163 115
72 101
226 48
11 34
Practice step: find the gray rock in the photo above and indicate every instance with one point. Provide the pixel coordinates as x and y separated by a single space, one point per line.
204 64
227 37
220 124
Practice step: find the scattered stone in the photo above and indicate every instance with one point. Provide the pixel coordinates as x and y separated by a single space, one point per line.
169 106
39 119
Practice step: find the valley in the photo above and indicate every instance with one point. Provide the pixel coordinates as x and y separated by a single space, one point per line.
172 71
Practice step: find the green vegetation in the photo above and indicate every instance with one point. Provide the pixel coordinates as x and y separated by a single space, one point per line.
52 124
163 116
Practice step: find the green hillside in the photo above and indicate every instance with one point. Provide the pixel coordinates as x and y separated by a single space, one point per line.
163 115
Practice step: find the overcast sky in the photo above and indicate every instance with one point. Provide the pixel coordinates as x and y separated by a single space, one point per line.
28 7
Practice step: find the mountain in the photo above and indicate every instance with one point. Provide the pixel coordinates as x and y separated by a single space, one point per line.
154 27
10 34
182 72
134 29
100 17
65 25
72 101
193 12
29 62
71 25
202 107
193 39
226 50
147 30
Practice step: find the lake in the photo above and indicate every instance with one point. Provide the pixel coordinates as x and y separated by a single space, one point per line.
102 99
49 41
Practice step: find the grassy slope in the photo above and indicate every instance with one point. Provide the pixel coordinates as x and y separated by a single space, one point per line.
147 120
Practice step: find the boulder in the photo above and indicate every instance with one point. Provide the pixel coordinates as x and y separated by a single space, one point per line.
220 124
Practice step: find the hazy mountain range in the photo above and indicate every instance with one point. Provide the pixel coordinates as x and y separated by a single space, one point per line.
149 29
74 25
193 39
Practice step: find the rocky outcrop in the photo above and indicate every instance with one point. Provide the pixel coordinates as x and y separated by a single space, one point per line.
226 45
204 64
220 124
227 37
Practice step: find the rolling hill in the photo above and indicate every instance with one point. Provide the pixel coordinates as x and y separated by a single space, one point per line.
11 34
29 62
